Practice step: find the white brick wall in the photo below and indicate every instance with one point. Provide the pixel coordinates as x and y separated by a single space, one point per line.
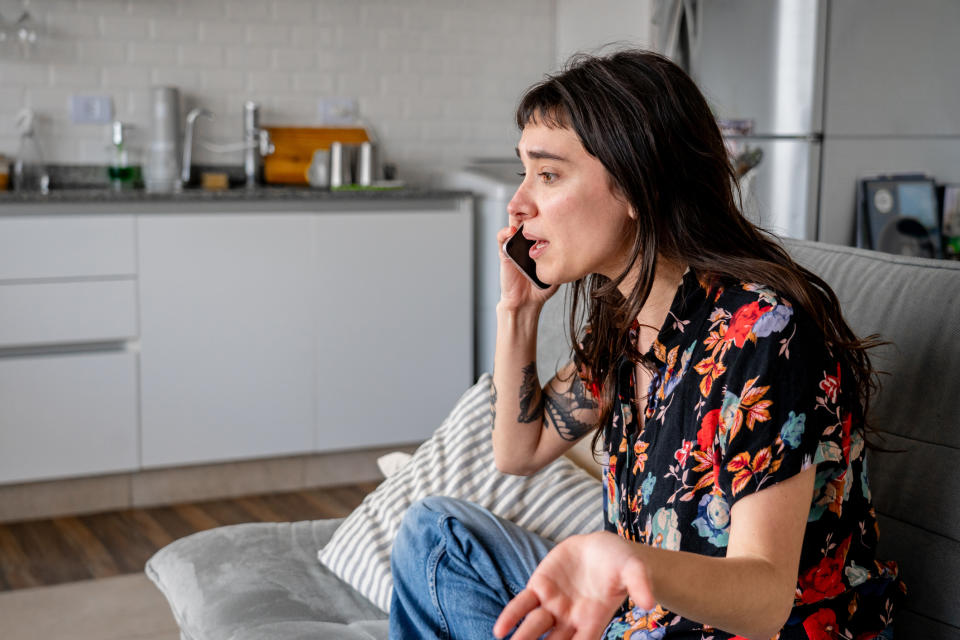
438 79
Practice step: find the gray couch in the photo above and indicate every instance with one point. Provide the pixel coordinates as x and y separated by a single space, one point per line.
264 580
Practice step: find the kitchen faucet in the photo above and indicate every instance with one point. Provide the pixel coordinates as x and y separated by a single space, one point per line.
255 145
188 142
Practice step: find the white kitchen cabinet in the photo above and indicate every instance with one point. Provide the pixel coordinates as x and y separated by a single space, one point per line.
52 313
166 339
68 383
67 280
67 246
394 324
227 349
67 415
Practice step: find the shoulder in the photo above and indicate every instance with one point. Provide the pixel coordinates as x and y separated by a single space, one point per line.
748 312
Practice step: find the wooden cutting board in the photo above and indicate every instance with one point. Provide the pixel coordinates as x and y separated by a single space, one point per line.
294 147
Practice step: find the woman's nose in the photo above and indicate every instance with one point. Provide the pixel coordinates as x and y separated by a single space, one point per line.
520 206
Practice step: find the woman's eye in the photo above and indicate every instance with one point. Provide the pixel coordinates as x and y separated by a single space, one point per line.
522 174
546 177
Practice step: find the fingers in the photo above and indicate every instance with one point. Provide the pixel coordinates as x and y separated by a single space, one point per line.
537 623
635 578
503 235
521 605
565 633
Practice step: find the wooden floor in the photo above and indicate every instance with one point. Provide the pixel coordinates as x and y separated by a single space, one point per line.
46 552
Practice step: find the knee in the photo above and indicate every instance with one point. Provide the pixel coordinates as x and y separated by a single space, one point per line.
418 530
420 527
441 505
419 536
423 513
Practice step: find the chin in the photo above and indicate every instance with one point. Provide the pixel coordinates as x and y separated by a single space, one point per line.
553 273
551 277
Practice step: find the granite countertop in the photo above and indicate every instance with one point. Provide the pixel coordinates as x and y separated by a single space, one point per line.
86 185
240 194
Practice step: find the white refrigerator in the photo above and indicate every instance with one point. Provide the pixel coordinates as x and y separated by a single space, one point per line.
836 90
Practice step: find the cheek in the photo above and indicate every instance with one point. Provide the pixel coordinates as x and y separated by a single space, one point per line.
569 203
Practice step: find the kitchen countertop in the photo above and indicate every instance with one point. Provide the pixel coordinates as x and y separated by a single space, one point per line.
239 200
105 194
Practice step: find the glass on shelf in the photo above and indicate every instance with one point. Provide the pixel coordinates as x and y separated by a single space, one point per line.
24 31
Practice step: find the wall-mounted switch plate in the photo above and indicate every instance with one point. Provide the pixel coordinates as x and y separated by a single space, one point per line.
91 109
338 111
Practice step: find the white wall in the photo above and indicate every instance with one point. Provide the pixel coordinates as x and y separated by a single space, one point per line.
437 78
587 25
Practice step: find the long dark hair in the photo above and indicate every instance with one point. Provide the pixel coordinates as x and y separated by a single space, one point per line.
644 118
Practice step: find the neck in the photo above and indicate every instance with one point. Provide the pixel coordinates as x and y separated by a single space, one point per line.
666 279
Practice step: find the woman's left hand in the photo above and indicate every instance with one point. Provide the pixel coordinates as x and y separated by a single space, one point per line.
577 588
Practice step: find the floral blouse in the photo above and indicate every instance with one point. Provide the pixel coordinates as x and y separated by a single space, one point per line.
746 395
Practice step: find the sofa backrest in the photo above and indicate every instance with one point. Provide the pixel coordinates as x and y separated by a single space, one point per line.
914 304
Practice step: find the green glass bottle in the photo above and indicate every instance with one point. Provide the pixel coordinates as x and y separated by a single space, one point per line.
121 173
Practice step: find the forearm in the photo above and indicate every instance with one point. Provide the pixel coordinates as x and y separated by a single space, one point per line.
746 596
518 398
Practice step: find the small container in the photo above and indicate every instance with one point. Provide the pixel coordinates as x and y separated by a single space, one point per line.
365 165
214 181
29 170
162 171
336 165
318 173
121 172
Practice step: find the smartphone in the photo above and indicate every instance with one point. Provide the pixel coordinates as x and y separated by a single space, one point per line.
517 249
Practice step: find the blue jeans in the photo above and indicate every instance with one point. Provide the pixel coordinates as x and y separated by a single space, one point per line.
455 567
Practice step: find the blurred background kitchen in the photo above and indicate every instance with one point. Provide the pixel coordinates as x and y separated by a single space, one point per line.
248 248
436 79
825 93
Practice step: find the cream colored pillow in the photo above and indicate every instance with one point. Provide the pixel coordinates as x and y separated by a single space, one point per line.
457 461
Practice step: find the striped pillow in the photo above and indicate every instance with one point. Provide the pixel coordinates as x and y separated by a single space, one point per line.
457 461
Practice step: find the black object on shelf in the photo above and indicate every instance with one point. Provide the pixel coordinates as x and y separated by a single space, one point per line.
899 214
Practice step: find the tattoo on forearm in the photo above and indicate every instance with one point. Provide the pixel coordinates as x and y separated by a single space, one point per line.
565 410
531 396
493 405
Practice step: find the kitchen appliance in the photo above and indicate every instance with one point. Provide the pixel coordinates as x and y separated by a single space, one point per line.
833 91
493 182
162 170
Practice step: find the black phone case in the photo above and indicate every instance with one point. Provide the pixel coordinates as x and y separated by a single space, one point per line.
517 249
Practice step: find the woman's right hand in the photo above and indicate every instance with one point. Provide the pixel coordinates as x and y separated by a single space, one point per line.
516 290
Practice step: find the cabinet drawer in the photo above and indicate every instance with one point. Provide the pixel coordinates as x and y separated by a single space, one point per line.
67 312
67 415
66 246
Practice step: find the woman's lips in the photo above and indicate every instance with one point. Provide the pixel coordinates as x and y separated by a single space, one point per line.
538 248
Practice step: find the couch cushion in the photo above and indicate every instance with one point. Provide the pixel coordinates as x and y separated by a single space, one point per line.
457 461
915 304
261 580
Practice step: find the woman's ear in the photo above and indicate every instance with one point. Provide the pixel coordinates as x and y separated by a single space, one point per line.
632 212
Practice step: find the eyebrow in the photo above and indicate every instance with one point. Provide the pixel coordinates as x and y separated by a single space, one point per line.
539 154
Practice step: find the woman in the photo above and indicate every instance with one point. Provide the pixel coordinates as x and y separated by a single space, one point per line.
727 391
